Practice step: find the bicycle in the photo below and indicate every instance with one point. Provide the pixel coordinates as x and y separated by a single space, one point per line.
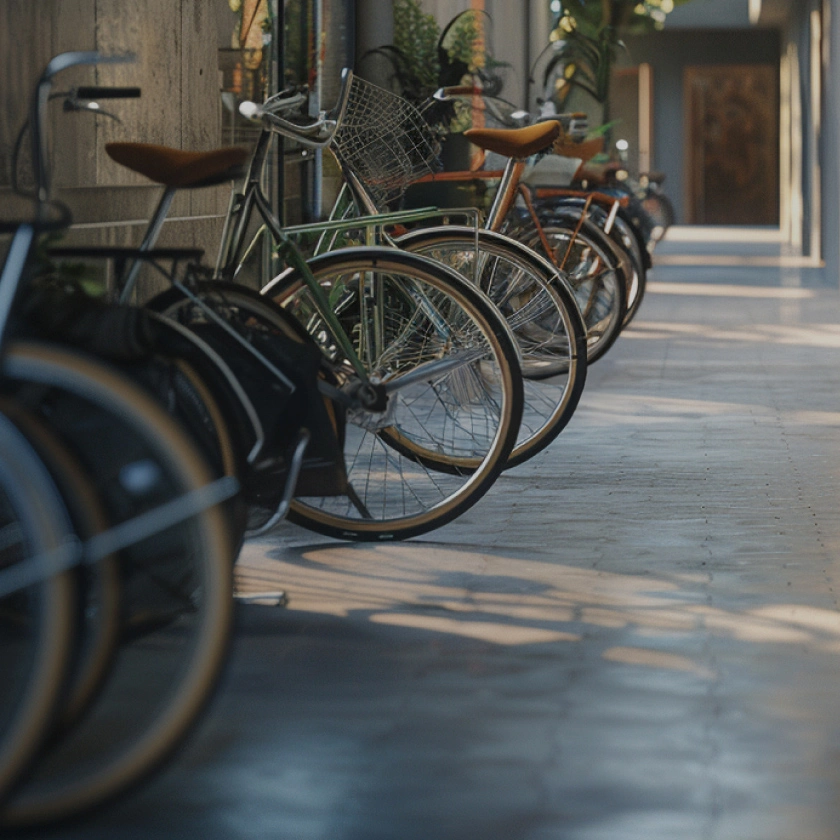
597 270
557 194
429 376
95 432
382 145
543 320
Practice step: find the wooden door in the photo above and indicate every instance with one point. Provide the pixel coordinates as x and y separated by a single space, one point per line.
732 133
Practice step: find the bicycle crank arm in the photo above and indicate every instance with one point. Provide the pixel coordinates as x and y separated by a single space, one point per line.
432 370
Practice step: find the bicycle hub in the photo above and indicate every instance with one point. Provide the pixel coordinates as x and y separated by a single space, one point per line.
372 397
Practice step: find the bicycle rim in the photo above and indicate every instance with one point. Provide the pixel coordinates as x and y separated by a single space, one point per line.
598 286
176 583
456 400
37 620
547 327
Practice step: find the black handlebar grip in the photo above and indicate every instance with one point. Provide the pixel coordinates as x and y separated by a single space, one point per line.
108 92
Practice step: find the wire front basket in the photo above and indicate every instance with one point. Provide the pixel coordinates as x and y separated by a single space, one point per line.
384 142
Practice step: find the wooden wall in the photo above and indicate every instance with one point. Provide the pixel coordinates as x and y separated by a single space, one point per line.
175 42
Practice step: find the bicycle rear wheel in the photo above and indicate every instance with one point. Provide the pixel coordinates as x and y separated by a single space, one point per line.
539 310
449 365
594 274
38 613
175 575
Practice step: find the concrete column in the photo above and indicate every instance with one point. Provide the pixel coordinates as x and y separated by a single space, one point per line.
539 24
374 28
830 142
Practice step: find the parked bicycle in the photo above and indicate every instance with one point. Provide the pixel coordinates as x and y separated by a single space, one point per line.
116 554
418 359
557 199
543 319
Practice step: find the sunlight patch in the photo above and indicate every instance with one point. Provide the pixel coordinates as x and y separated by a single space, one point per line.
497 634
656 659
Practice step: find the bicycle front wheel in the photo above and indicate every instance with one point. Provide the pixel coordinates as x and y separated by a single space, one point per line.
540 311
174 555
585 256
454 390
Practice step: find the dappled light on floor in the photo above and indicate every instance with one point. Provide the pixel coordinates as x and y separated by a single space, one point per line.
509 600
735 261
487 631
826 336
727 290
655 659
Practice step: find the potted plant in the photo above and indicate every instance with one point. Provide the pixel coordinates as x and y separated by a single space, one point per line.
586 42
425 57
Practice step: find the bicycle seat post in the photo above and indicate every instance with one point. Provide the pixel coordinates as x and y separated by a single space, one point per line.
152 233
172 169
505 194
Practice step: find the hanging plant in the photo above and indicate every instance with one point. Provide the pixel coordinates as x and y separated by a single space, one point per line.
630 16
585 55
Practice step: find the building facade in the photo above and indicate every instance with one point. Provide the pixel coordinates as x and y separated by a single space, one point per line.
736 101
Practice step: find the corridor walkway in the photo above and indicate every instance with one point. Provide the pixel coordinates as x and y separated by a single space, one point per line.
636 636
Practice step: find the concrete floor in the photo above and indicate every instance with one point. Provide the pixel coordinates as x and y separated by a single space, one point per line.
635 636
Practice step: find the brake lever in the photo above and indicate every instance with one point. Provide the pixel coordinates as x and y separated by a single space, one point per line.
73 104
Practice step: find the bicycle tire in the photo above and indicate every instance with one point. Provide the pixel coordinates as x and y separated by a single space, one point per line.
541 313
626 237
436 473
34 663
177 584
592 270
97 587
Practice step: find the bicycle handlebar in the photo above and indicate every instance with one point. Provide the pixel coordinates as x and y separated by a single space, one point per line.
63 61
106 92
37 114
574 124
317 134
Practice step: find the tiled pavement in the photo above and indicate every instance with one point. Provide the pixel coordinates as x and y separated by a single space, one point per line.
635 636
